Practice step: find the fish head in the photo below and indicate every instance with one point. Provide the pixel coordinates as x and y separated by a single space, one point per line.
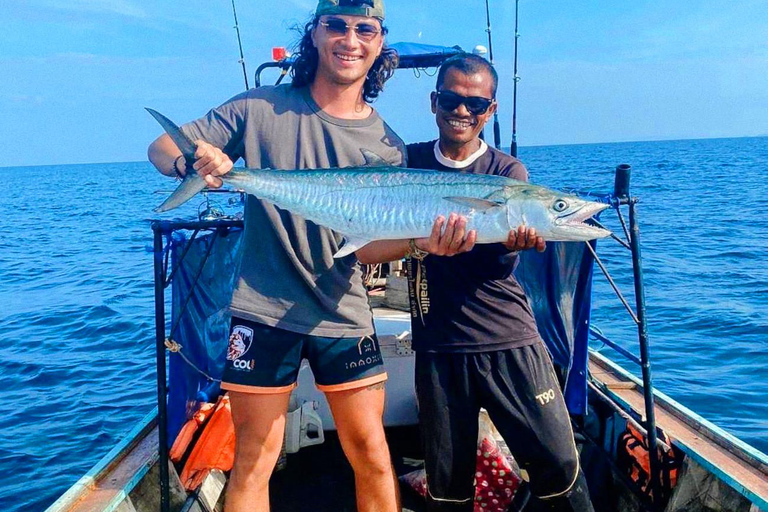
558 216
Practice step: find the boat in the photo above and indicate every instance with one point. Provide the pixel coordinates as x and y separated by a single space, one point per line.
640 450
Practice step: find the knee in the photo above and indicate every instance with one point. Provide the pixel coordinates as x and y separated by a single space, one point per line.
368 452
255 457
557 476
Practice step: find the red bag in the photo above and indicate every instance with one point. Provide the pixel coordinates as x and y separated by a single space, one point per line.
496 478
496 475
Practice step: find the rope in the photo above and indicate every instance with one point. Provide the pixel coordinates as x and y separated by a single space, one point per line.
175 347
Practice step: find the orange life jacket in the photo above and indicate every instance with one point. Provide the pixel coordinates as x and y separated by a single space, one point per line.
215 449
188 431
633 455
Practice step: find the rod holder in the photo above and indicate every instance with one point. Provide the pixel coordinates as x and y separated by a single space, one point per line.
621 181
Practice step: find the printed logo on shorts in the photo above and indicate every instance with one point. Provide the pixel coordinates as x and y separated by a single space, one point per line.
369 353
239 342
242 364
546 397
366 345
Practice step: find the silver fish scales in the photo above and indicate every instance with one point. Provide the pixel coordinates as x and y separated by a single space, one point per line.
382 202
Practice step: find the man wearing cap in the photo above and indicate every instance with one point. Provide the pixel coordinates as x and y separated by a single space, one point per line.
292 300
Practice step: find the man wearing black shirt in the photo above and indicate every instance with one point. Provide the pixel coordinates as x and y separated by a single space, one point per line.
475 337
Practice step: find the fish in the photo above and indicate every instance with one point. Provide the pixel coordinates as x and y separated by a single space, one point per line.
378 201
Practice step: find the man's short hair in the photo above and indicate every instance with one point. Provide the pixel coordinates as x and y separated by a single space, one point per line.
468 64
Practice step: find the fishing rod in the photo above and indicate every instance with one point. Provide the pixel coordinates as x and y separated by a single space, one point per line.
513 145
240 44
496 127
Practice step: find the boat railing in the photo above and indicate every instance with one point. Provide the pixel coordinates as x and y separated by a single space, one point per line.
621 197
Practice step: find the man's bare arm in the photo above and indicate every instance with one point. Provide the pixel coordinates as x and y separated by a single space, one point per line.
449 242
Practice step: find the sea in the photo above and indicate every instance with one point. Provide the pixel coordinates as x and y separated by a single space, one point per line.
77 312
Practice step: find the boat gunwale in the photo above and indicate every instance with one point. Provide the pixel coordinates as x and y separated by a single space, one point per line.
106 464
748 454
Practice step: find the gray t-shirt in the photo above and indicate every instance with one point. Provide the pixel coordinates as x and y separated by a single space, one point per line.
288 277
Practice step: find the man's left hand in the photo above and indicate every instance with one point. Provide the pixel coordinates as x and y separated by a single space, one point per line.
523 238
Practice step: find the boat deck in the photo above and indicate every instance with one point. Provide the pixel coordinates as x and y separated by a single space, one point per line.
319 478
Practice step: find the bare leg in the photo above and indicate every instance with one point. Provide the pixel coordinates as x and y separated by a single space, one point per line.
259 427
358 415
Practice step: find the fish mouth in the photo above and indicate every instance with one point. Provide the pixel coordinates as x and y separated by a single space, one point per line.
575 226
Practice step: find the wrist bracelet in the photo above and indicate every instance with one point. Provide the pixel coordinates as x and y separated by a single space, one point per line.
176 171
414 252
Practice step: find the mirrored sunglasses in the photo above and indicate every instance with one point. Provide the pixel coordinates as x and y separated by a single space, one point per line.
365 31
450 101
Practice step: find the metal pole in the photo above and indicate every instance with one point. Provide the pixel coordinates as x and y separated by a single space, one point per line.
642 328
162 414
513 145
496 127
240 44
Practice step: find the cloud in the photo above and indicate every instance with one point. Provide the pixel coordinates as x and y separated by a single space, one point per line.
26 99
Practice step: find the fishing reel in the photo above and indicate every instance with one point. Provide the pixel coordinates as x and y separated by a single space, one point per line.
213 210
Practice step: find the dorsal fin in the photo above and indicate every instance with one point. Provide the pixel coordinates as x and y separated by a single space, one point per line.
372 159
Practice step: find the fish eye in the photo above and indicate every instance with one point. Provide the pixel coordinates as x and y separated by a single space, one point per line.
560 205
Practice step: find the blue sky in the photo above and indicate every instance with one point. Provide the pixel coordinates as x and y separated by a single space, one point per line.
76 74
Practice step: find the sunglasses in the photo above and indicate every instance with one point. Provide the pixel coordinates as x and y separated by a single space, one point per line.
450 101
364 31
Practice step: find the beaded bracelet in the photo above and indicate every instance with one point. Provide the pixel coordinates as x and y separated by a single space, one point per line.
414 252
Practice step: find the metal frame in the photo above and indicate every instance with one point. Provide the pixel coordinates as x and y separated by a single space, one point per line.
622 197
162 231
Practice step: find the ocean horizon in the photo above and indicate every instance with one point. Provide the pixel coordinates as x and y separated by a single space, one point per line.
504 148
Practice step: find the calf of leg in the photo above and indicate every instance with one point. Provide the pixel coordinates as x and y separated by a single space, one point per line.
575 500
259 421
358 414
448 414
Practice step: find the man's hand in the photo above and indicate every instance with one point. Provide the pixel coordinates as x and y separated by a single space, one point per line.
522 239
210 163
453 240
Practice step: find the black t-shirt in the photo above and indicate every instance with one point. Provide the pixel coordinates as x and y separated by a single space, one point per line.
470 302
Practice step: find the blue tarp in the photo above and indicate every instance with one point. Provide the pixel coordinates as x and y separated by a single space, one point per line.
558 283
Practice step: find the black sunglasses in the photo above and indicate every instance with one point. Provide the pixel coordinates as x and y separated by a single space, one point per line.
450 101
338 27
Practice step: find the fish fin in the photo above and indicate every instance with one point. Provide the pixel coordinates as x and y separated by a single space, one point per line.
351 245
184 143
192 182
372 159
472 202
190 185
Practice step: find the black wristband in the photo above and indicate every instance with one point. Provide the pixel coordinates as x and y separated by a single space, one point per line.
176 171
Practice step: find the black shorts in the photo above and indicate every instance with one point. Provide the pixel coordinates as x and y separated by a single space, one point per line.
263 359
519 390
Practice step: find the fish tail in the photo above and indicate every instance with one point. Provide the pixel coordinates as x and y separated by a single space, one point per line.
189 187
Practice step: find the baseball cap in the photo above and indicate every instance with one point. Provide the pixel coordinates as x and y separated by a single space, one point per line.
370 8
